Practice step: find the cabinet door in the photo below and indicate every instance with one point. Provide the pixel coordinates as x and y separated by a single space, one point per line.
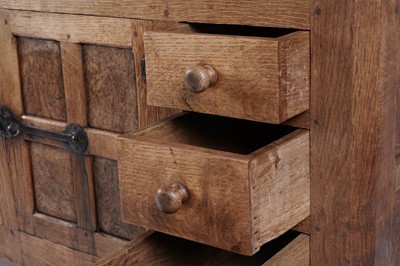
57 70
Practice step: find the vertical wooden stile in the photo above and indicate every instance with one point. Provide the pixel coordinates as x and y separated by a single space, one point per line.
355 75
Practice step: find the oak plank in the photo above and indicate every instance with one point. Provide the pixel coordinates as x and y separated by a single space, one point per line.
53 182
296 252
111 90
17 168
37 251
71 236
75 95
396 231
8 213
108 200
281 175
269 13
10 247
262 79
72 28
294 62
301 121
74 87
147 114
353 131
102 143
397 173
106 244
304 226
82 173
8 79
42 78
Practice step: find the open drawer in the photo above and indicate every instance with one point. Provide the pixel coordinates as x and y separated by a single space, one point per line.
159 249
228 183
216 70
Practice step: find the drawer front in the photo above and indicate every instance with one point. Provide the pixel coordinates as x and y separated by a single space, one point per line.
233 201
253 78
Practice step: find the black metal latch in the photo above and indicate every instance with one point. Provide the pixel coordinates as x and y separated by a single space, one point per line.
74 135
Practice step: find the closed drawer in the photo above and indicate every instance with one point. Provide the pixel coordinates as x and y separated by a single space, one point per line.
228 183
255 78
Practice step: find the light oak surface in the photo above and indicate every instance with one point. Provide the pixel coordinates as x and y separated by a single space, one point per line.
261 79
269 13
236 201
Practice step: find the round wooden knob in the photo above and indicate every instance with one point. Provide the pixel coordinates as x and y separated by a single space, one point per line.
170 199
200 78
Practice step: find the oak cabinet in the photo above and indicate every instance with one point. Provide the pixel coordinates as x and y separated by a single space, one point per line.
88 163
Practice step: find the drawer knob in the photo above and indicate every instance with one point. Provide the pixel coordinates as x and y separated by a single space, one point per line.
170 199
200 78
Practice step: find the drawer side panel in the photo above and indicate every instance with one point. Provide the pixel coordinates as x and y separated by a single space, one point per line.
280 182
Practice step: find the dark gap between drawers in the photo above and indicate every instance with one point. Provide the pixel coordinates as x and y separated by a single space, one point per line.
239 30
218 133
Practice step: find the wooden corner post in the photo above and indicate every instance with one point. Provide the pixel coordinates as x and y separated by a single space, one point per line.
355 47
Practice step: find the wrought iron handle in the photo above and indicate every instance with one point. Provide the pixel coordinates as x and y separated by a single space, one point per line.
200 78
74 135
170 199
9 127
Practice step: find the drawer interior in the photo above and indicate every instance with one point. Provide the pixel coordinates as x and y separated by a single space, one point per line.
161 249
218 133
239 30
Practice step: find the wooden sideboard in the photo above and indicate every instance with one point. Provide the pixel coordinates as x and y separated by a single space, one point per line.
286 152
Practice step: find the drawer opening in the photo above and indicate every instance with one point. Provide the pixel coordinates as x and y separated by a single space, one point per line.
218 133
162 249
241 30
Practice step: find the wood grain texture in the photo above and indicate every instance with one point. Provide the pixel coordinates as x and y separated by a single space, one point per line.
42 78
354 81
261 79
16 167
72 28
280 187
159 156
53 182
295 253
108 200
47 125
270 13
8 213
110 83
10 247
304 226
396 231
102 144
8 80
82 173
37 251
301 121
159 249
147 114
71 236
74 86
294 77
397 173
